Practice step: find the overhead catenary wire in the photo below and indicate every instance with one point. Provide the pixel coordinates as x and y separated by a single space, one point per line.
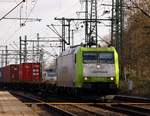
28 9
12 10
31 11
56 32
15 33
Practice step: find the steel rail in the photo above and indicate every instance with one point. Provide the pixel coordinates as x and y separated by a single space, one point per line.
136 109
70 103
46 106
87 110
125 109
132 98
55 106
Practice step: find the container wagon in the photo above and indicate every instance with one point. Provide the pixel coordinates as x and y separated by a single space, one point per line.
29 72
10 73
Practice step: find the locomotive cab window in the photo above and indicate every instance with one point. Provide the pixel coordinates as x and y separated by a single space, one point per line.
106 57
89 57
98 57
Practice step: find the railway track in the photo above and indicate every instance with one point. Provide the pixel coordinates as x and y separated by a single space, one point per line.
39 104
89 108
104 109
128 109
126 98
67 109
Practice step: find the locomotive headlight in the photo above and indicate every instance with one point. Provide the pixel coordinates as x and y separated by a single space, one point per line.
112 78
85 78
98 66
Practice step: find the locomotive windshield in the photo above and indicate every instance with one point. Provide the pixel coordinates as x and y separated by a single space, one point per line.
106 57
98 57
89 57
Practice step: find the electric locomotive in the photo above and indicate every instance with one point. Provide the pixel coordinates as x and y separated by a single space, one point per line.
92 68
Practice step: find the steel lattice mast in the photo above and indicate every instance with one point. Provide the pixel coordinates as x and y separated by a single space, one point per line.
117 28
93 24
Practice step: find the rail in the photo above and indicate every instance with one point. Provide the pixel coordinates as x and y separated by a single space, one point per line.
73 109
131 98
43 104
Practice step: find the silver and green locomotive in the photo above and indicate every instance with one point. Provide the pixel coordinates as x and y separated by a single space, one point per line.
84 67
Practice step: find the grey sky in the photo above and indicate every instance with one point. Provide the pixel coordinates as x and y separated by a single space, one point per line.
46 10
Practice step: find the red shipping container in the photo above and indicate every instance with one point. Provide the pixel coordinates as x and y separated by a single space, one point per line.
25 72
6 73
11 72
14 72
29 71
36 74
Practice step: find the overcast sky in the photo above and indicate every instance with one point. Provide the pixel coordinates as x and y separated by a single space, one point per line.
46 10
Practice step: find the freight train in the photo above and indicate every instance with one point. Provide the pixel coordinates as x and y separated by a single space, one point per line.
25 72
92 68
77 68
